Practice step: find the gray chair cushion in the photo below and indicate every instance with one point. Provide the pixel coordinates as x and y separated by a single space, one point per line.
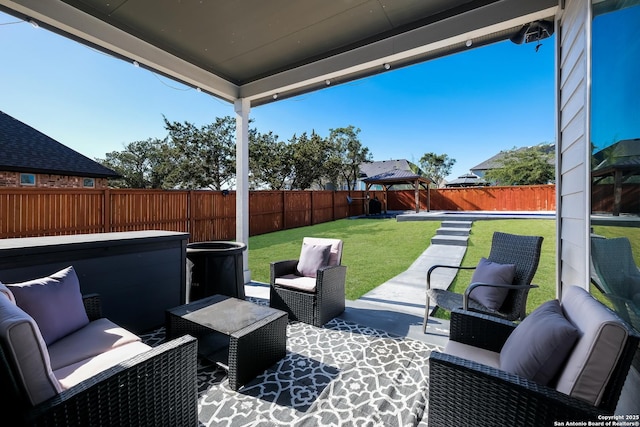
312 257
335 256
71 375
25 348
476 354
596 352
492 272
97 337
54 302
537 347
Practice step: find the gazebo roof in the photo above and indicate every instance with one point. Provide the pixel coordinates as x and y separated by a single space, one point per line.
390 172
623 155
397 177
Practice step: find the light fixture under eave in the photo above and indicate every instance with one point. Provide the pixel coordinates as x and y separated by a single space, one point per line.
534 31
327 82
33 23
275 96
468 43
136 64
386 66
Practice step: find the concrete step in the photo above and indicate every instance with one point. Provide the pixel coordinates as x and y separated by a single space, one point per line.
456 224
453 231
449 240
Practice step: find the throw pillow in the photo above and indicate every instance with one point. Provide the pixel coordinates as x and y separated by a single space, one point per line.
537 347
492 272
312 257
54 302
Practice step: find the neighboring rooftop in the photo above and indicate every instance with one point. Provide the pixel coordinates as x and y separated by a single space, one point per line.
467 180
496 160
25 149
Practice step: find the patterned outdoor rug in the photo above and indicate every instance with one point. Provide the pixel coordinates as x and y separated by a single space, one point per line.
342 374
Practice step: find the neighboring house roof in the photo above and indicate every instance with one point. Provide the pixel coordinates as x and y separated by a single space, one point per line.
467 180
496 160
25 149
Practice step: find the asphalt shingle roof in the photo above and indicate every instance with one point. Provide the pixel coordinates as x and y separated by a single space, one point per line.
391 170
25 149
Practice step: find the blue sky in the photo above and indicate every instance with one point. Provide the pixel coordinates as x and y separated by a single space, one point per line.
468 106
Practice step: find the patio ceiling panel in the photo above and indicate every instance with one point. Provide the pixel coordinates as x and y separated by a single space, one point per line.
254 49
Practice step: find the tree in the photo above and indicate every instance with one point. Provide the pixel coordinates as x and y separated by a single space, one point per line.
525 166
204 157
436 166
309 154
270 161
142 164
347 154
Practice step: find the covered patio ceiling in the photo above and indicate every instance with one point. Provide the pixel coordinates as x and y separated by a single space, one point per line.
263 51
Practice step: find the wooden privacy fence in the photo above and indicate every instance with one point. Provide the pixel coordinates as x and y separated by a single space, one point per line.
211 215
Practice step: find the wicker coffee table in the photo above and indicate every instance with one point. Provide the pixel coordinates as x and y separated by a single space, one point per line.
243 337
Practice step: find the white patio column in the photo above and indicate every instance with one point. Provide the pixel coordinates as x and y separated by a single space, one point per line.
242 107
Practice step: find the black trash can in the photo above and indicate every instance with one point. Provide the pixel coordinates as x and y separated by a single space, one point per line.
215 268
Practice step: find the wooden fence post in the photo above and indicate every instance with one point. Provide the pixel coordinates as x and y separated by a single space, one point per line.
284 209
106 210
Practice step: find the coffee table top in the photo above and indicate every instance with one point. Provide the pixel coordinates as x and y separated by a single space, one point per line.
223 313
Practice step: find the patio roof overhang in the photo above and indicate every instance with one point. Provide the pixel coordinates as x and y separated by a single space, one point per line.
265 51
252 52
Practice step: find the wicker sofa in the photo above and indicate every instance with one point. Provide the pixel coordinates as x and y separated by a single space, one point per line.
97 374
583 375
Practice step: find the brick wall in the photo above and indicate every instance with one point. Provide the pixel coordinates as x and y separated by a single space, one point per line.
12 179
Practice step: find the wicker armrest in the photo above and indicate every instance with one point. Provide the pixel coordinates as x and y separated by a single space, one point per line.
462 392
157 387
471 287
282 268
332 276
434 267
479 330
92 306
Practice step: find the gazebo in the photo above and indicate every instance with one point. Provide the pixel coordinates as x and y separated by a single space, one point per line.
396 177
619 162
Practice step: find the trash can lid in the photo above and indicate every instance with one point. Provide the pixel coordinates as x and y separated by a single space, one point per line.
216 246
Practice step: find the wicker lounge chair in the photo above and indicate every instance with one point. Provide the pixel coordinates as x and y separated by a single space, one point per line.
315 296
522 251
464 390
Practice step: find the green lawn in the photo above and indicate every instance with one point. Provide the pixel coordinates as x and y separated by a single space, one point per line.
376 250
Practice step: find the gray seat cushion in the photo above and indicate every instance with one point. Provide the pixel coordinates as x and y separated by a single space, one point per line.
96 338
596 352
25 348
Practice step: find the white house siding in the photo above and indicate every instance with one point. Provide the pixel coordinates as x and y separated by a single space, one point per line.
573 143
574 190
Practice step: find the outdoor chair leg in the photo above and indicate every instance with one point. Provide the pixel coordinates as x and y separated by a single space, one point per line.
426 315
